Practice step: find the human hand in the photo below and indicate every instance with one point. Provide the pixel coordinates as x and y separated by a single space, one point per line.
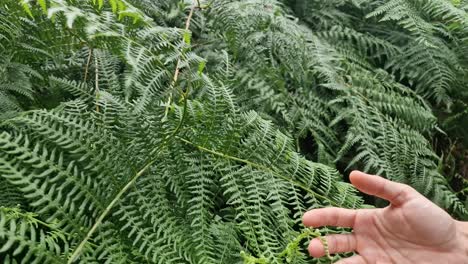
410 230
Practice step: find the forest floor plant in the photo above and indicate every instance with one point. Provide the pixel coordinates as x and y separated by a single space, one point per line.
139 131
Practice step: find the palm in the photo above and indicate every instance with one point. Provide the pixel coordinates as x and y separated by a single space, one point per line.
411 230
407 233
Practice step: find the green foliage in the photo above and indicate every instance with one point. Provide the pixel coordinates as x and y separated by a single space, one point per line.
337 84
200 132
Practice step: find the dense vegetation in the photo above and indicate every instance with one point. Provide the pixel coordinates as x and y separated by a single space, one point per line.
141 131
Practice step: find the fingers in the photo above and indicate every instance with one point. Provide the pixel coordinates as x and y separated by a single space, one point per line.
330 217
335 243
395 193
352 260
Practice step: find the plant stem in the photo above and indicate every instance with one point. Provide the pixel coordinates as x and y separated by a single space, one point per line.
179 61
107 210
87 64
97 83
132 181
260 167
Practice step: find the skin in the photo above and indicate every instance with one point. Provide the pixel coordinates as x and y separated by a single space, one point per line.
410 230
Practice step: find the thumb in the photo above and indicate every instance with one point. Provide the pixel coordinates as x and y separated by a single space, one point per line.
396 193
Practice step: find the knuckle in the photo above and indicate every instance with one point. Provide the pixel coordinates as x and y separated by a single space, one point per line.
408 189
403 194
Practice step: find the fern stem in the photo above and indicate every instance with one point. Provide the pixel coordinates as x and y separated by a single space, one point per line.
260 167
97 83
179 61
107 210
87 64
132 181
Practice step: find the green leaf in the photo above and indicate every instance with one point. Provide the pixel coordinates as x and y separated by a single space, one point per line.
113 4
187 37
26 7
201 67
121 7
43 5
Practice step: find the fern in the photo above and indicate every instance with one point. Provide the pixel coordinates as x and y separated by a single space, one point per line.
288 71
193 172
428 58
239 168
200 132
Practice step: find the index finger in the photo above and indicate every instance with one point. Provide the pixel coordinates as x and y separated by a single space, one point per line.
396 193
332 216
